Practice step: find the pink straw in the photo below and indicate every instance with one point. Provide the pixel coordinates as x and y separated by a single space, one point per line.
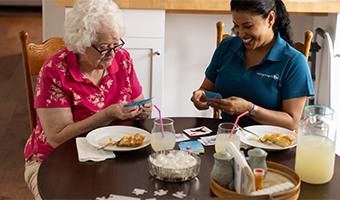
238 117
160 119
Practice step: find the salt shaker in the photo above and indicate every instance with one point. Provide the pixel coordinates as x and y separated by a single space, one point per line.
257 159
223 172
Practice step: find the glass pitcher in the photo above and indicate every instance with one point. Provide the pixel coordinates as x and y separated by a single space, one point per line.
315 152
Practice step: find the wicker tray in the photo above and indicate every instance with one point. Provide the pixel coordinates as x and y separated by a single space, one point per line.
277 174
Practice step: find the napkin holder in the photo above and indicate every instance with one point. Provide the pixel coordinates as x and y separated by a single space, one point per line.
244 181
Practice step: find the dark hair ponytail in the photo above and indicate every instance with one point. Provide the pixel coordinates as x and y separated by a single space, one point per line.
263 8
282 22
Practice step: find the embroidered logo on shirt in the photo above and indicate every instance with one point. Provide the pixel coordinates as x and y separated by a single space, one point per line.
275 76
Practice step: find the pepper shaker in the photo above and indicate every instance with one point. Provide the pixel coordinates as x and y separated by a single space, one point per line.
223 172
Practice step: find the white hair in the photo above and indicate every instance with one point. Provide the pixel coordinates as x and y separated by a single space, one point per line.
87 19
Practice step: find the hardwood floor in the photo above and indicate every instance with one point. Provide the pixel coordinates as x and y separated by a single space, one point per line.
14 122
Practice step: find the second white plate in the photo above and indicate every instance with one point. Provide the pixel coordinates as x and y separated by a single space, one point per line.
261 130
102 135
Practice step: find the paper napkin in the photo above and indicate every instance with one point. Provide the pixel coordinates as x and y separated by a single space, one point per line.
88 152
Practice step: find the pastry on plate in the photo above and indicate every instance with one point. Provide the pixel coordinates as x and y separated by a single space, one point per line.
131 140
278 138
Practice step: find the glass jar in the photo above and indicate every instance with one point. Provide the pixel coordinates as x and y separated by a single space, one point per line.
315 152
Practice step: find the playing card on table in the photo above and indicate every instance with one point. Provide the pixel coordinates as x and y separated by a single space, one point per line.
203 130
138 103
208 140
181 137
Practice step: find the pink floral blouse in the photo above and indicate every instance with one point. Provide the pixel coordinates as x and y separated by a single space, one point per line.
60 84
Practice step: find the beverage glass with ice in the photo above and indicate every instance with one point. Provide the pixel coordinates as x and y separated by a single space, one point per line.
158 142
222 136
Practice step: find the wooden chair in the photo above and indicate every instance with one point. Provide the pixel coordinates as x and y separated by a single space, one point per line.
303 47
33 57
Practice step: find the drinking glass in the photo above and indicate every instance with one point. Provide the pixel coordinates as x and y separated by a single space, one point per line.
160 142
222 136
315 151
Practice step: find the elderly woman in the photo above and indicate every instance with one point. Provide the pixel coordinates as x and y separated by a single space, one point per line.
258 70
85 85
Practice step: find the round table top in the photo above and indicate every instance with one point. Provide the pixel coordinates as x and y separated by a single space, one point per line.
62 176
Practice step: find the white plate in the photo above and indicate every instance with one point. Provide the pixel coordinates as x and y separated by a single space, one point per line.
102 135
261 130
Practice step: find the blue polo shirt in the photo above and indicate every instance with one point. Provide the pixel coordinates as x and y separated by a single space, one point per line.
282 74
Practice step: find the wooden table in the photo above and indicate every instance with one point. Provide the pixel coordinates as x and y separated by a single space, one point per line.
62 176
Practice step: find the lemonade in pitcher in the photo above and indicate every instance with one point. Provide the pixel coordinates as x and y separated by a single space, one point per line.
311 148
315 151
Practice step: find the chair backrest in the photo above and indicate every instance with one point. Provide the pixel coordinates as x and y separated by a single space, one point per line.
33 57
220 35
303 47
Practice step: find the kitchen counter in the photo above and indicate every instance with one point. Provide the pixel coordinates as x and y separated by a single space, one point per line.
295 7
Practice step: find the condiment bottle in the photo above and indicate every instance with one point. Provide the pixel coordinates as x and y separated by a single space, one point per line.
259 176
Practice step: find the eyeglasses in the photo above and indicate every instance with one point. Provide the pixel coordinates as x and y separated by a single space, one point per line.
115 48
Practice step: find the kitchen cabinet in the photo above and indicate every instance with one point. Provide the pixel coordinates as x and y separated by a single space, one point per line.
145 42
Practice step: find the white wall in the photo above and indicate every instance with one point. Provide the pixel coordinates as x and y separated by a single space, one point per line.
190 41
